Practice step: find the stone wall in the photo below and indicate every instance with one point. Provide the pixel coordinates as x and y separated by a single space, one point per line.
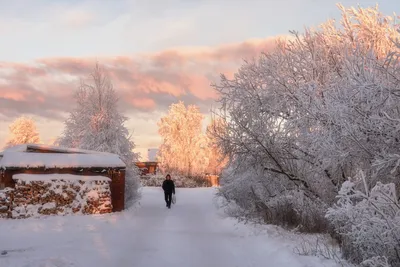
32 198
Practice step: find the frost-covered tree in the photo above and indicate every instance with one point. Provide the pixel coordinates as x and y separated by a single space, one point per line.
184 146
23 131
216 159
96 124
301 119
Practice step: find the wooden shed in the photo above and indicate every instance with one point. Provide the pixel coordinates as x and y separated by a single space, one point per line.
43 159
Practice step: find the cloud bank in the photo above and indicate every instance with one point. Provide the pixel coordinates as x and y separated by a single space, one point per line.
145 82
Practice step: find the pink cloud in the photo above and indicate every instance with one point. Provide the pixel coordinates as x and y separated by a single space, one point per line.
16 96
143 103
19 93
144 81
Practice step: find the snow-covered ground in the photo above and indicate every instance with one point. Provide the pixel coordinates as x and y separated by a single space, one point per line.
192 233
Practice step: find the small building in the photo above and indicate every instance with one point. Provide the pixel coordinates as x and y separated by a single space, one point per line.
148 167
34 159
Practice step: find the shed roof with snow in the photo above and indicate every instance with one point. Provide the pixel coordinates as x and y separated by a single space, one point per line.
43 156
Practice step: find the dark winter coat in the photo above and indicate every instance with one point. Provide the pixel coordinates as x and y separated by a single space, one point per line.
168 186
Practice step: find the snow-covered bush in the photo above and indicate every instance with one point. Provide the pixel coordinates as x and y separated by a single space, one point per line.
179 180
368 222
132 185
254 200
376 262
153 180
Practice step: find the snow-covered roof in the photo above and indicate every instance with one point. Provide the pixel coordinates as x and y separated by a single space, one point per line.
58 160
21 157
55 149
57 176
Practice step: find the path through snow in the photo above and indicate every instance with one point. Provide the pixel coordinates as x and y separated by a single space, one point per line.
191 234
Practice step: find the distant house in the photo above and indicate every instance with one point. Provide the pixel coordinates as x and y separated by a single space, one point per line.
147 167
32 160
150 166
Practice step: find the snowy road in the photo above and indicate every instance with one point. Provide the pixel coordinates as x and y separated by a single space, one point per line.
191 234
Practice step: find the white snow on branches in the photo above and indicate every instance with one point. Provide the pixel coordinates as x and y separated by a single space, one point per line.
304 118
96 124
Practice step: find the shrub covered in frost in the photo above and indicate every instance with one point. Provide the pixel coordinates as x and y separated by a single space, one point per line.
180 181
251 196
368 223
132 185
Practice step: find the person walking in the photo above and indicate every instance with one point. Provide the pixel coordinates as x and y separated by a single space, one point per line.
169 188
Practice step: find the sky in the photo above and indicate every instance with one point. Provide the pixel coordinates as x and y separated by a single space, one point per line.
156 52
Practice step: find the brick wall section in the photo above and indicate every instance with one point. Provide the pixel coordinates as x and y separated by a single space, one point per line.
58 197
